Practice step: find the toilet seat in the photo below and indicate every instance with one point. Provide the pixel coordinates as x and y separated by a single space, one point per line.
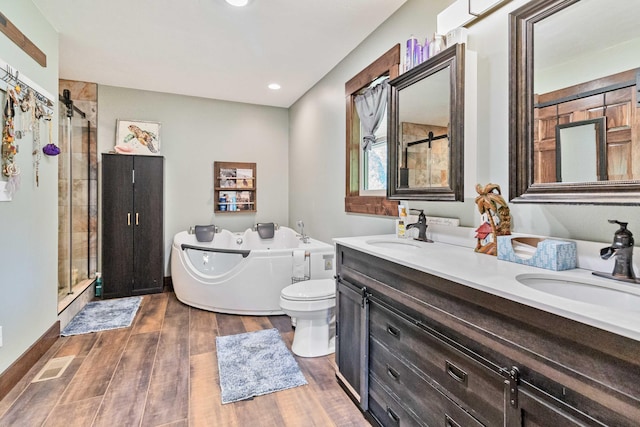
310 290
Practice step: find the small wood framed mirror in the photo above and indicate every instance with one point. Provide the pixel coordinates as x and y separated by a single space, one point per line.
426 130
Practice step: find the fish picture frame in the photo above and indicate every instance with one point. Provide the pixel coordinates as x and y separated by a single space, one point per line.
137 137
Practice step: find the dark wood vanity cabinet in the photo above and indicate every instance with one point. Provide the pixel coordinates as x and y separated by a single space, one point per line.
350 337
435 352
132 225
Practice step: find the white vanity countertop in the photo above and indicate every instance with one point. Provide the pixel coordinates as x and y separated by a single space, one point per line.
497 277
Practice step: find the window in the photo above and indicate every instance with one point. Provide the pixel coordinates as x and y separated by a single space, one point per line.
373 164
366 174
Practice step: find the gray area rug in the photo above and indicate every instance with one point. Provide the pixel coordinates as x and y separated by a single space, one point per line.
255 363
103 315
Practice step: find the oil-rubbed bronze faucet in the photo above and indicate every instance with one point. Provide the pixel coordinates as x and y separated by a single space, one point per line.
421 225
622 249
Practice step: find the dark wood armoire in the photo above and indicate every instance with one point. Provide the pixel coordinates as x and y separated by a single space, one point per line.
132 225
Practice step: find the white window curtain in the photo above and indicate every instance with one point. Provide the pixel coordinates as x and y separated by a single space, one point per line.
371 105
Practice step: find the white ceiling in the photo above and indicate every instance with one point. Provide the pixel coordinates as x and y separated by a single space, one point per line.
209 49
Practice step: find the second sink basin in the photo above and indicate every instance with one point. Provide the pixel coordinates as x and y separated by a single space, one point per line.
394 244
587 291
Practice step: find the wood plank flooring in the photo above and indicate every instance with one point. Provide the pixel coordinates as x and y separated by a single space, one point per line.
163 371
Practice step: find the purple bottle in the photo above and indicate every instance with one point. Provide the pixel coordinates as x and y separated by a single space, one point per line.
417 54
409 59
425 49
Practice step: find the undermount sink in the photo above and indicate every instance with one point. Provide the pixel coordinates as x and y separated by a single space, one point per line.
394 244
587 291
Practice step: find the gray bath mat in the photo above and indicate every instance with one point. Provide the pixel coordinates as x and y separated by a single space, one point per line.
103 315
255 363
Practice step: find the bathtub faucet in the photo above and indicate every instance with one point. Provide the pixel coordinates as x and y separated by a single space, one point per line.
303 237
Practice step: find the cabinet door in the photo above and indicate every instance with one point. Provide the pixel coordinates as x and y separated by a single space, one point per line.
533 411
351 339
117 225
148 240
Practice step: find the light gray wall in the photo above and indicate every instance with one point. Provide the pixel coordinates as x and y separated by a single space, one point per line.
194 133
318 127
317 139
29 223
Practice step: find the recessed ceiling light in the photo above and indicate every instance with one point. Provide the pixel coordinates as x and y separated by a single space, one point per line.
238 3
274 86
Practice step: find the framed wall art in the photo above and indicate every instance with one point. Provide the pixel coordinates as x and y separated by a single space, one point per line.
137 137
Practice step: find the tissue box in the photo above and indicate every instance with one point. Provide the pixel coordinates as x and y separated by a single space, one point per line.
544 253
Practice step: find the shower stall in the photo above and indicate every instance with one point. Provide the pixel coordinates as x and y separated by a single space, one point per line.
77 198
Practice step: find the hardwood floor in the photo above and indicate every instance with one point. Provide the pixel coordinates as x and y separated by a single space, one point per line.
162 371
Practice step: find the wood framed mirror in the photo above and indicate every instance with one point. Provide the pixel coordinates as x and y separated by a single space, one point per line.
561 75
426 130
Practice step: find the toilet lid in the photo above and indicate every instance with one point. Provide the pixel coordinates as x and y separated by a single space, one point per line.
310 290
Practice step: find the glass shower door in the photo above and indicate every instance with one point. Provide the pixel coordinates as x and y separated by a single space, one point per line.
77 206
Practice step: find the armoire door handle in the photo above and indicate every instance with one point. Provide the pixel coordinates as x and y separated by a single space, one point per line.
128 218
137 218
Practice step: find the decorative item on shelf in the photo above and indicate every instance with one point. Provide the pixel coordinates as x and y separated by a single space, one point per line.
412 43
137 137
437 45
417 53
228 178
234 187
496 218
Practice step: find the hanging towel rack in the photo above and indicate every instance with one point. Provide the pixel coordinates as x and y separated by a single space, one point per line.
11 76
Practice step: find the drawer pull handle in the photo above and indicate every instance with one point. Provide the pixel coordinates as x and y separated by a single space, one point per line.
395 418
393 331
449 422
456 373
393 373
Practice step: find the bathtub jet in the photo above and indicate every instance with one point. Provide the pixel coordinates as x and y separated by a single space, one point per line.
242 273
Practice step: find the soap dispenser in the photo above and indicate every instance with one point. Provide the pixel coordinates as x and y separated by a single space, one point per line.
400 223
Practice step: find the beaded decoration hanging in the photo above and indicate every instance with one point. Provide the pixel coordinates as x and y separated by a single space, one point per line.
50 149
9 148
36 150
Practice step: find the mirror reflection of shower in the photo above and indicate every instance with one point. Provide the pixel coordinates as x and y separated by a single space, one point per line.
77 188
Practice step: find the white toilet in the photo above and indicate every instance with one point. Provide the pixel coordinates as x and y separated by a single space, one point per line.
312 304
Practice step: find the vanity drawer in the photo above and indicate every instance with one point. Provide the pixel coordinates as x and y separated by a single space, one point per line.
471 384
386 409
428 404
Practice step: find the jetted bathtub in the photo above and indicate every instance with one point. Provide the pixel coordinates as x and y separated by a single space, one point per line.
241 273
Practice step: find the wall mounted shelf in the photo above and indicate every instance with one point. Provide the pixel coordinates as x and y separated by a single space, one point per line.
234 187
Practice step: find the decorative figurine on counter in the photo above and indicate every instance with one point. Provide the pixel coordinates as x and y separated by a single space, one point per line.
496 218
